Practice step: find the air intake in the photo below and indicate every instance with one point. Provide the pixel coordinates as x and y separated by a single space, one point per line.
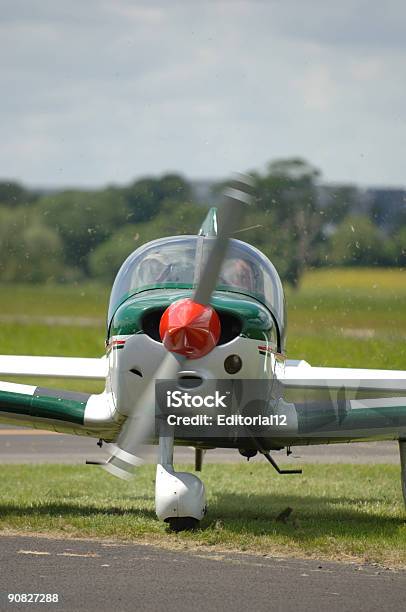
231 325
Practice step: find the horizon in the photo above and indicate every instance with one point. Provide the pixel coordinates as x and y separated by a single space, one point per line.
192 180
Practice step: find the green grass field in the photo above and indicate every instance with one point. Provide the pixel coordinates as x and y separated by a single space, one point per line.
349 318
346 512
354 318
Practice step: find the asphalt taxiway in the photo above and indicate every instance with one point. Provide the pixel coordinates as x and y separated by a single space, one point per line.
20 445
96 575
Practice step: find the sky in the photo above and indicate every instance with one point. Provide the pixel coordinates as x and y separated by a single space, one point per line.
97 92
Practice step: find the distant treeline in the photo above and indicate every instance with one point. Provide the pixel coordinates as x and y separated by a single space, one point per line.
75 235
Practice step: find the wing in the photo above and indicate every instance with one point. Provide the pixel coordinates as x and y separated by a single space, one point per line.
300 374
52 409
342 404
55 367
57 410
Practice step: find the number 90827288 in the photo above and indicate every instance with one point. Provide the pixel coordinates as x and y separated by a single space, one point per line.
33 598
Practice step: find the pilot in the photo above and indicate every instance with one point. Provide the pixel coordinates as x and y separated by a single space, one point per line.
238 273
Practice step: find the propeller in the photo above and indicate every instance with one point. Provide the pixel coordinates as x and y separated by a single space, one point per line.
189 329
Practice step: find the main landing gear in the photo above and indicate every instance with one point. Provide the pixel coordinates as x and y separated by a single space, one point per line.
402 451
180 498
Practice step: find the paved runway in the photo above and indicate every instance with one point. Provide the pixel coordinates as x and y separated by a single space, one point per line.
18 445
95 575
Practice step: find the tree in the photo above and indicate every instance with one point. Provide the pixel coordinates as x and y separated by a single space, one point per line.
13 194
83 220
42 258
146 196
29 251
143 199
288 193
175 188
338 202
399 244
105 261
356 242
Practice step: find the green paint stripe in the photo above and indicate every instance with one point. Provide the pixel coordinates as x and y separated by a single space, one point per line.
45 407
256 320
369 419
383 412
59 409
17 403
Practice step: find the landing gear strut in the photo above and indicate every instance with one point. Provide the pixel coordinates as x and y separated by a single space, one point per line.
276 466
402 451
199 455
180 498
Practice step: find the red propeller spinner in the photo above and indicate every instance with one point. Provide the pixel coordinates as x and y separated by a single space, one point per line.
189 328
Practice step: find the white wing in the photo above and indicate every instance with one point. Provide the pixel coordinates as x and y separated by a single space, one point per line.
58 367
299 374
342 404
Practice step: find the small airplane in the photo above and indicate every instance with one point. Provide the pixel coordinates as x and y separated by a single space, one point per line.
195 355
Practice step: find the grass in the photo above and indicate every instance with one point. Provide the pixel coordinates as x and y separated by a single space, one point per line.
333 300
25 337
349 318
332 350
332 517
64 340
89 300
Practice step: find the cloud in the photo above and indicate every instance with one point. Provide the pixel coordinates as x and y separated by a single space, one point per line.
105 91
317 88
350 23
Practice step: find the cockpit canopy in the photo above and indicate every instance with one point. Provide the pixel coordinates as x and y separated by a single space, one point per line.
176 263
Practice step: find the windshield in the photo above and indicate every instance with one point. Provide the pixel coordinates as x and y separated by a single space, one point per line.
176 263
165 263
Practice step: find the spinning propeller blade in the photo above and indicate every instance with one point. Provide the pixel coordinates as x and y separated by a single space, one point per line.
140 425
236 197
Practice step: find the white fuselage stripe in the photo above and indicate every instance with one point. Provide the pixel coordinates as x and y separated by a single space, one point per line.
16 388
382 402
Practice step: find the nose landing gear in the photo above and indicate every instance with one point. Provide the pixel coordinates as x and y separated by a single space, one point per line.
180 498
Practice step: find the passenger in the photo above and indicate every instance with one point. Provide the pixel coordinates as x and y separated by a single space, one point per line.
169 267
153 269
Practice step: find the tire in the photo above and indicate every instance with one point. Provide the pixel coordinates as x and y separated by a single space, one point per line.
183 523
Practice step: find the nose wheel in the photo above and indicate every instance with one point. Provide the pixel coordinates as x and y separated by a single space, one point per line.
180 498
184 523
